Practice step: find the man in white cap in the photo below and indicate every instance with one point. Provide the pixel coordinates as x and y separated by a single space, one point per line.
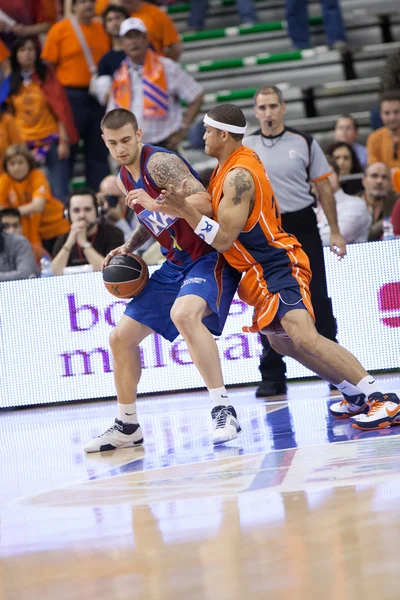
152 87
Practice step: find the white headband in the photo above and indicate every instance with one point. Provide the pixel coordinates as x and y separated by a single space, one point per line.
224 126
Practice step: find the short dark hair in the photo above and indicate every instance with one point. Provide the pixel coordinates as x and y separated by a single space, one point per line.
10 212
231 115
270 89
348 116
18 150
356 166
114 8
117 118
332 162
389 96
82 191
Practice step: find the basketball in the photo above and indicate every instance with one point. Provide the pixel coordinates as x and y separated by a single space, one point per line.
125 275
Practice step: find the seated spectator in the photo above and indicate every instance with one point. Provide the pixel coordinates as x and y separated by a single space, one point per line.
26 188
75 46
9 134
346 130
21 18
43 113
163 35
353 217
160 115
383 145
379 197
89 239
10 221
109 63
16 257
198 12
112 200
350 169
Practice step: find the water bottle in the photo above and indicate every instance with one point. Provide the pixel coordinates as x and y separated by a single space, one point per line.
45 266
388 233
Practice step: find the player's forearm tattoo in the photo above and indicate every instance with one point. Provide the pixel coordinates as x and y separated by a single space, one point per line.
169 169
242 181
138 237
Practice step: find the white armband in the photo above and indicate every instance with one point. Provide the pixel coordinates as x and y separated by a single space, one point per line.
207 229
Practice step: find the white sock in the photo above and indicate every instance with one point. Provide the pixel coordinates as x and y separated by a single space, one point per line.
127 413
218 396
369 386
348 388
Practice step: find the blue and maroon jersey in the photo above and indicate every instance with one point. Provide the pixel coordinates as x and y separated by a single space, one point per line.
178 241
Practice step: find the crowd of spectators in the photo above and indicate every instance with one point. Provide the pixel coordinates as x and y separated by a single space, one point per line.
64 64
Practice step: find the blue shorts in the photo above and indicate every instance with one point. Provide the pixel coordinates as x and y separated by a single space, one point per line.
209 277
289 299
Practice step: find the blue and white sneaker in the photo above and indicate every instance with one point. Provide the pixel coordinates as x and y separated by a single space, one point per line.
384 411
225 424
120 435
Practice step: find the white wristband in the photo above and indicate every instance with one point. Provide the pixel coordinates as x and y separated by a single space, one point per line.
207 229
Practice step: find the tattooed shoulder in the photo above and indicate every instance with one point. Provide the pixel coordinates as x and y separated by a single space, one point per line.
241 181
166 168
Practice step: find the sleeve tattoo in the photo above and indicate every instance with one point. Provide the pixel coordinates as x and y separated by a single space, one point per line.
138 237
169 169
242 182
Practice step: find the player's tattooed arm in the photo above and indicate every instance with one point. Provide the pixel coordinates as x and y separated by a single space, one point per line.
139 237
169 169
241 183
170 172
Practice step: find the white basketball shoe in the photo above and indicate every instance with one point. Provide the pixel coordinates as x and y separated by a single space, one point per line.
225 424
120 435
384 411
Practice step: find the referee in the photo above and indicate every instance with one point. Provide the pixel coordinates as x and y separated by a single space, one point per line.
293 160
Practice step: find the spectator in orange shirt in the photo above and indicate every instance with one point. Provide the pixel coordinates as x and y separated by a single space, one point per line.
26 17
9 134
161 30
26 188
383 144
43 113
10 221
63 49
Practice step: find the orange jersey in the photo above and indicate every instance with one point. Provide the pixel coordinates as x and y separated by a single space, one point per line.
62 48
270 259
36 226
33 114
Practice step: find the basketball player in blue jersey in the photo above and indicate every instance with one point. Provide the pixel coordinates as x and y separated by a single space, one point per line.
190 294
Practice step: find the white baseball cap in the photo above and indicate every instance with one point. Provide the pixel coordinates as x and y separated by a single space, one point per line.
132 24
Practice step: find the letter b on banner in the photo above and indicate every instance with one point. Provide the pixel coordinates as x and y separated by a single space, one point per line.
87 321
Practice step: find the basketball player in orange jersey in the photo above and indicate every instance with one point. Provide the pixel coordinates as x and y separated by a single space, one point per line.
276 274
189 294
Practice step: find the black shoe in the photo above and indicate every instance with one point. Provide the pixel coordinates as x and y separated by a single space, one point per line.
271 388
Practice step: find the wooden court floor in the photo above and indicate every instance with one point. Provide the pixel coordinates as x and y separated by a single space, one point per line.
299 507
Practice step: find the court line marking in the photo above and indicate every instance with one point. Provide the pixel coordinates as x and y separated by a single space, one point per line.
24 500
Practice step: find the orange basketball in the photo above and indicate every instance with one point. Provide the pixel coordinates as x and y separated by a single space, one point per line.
125 275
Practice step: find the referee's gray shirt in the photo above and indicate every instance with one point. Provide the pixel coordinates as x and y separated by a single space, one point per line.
291 161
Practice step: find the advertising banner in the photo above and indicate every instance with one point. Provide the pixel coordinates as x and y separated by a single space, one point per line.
54 332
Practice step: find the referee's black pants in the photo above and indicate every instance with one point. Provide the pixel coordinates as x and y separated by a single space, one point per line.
303 224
